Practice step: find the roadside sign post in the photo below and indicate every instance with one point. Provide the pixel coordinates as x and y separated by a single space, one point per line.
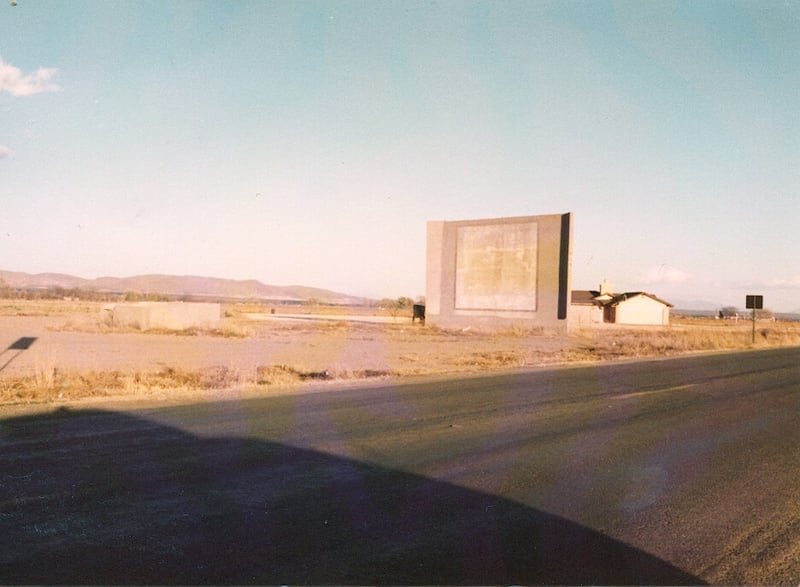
754 303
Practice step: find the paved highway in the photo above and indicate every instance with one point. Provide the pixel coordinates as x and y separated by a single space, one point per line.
679 471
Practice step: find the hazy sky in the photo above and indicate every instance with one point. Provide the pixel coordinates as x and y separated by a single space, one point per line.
309 142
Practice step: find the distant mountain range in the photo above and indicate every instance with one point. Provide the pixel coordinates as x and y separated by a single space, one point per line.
696 304
180 285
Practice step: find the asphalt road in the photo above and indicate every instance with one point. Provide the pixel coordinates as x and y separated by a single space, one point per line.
680 471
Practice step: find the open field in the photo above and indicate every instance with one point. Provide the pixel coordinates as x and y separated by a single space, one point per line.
72 353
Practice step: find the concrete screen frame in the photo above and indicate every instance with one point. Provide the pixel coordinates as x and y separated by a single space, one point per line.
499 272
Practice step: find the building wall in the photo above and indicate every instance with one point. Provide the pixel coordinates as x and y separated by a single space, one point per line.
495 273
581 316
165 315
641 310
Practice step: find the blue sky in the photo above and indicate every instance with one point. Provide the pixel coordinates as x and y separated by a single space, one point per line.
309 142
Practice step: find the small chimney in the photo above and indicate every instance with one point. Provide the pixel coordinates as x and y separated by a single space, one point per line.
605 288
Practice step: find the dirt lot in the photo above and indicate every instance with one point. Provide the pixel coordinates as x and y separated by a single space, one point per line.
55 351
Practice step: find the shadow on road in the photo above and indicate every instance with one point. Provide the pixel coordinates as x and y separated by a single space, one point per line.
19 345
102 497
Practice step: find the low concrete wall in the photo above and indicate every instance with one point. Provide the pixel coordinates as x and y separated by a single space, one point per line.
165 315
583 316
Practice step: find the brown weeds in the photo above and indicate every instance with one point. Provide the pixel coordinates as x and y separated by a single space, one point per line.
95 325
51 384
488 359
615 343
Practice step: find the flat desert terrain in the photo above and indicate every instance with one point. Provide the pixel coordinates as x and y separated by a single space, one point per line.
56 351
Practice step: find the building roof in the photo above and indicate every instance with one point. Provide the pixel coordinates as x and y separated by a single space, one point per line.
619 298
585 297
581 297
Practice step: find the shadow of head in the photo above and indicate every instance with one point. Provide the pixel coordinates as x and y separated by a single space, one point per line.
102 497
19 345
22 344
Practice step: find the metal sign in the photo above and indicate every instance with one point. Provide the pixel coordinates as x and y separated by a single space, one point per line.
754 302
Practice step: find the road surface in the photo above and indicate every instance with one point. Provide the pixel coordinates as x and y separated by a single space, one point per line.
679 471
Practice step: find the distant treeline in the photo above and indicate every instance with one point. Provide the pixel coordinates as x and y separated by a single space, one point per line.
8 292
74 293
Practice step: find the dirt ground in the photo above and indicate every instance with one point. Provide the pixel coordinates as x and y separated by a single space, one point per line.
63 350
72 339
312 345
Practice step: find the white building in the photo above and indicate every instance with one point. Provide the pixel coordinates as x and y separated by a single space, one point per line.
590 307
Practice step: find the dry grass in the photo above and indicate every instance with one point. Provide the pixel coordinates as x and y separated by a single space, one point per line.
226 331
682 337
48 307
94 324
48 383
288 375
489 359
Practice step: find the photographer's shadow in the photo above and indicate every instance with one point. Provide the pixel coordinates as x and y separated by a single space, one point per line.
102 497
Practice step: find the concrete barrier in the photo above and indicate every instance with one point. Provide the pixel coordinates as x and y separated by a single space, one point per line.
164 315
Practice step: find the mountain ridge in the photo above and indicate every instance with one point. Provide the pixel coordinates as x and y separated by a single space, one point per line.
190 285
